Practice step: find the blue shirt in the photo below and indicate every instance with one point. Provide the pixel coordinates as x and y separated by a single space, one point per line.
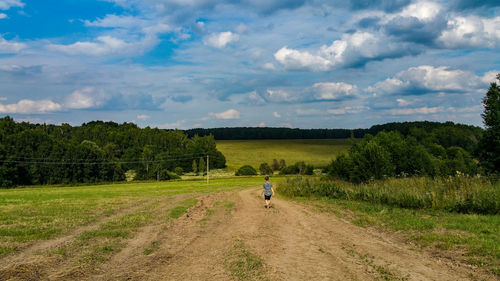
267 188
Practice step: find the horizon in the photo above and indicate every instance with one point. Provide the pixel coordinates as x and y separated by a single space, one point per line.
280 64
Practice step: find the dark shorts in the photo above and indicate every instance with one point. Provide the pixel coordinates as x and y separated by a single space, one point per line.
267 197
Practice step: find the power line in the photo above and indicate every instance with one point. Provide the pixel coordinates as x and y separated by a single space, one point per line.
62 162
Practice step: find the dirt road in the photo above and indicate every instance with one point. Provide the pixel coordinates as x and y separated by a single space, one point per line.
230 236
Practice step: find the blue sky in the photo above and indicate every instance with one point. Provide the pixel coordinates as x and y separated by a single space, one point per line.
278 63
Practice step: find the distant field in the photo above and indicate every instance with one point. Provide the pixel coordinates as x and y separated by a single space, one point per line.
255 152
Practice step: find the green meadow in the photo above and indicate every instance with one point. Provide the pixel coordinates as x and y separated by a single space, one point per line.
254 152
38 213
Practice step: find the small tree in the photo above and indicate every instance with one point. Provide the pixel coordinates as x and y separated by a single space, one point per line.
282 164
275 165
195 167
265 169
489 146
201 166
246 170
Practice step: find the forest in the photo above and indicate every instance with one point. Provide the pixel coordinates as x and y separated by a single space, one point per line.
455 132
35 154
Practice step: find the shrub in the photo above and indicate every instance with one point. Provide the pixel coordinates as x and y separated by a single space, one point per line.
179 171
246 170
167 175
265 169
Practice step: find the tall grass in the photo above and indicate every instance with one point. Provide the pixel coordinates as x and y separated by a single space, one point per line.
461 193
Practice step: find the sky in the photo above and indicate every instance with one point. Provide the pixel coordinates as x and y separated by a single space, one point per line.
275 63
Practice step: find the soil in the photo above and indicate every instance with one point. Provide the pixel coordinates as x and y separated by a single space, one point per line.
294 241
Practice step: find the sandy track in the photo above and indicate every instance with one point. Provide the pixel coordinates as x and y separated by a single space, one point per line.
294 241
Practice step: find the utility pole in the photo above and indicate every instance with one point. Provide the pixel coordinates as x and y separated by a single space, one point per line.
207 169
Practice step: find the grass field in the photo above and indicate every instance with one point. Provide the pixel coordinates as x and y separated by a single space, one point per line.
255 152
39 213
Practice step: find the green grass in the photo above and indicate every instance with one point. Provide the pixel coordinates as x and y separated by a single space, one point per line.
461 193
243 264
182 208
39 213
255 152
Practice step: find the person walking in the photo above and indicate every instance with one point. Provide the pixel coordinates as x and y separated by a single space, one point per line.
267 191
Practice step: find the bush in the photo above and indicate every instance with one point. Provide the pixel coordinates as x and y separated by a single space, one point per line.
246 170
265 169
167 175
179 171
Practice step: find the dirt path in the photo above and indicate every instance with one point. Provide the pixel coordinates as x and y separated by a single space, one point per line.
292 241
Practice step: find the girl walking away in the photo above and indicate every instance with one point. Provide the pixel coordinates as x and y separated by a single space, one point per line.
267 191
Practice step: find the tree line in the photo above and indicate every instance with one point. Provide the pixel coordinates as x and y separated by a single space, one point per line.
33 154
249 133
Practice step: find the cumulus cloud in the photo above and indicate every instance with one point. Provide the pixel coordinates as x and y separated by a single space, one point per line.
85 98
7 4
19 70
352 50
110 45
276 114
26 106
419 110
228 114
143 117
428 79
105 45
308 112
117 21
3 16
334 91
347 110
220 40
318 92
10 47
471 32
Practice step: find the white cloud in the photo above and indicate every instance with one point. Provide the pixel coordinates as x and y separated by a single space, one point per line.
422 10
293 59
281 96
143 117
306 112
31 107
471 32
333 91
276 114
3 98
220 40
117 21
350 50
228 114
7 4
261 124
426 79
347 110
269 66
403 102
3 16
419 110
85 98
10 47
105 45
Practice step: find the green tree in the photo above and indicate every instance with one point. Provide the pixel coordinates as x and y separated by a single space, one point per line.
265 169
195 167
202 166
489 146
275 165
246 170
